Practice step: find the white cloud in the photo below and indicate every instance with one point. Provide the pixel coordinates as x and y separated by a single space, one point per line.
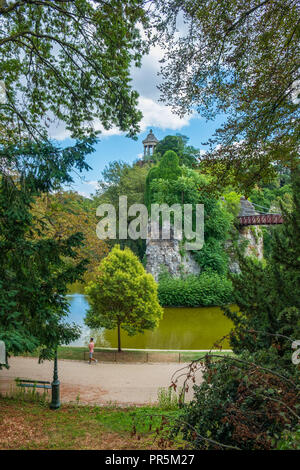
94 184
155 114
58 131
158 115
146 79
82 193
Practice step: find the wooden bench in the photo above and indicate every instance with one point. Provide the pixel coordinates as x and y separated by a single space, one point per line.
33 383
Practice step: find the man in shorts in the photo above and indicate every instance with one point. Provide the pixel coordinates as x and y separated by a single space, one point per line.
91 349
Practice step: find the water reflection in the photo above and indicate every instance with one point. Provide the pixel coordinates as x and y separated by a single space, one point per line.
181 328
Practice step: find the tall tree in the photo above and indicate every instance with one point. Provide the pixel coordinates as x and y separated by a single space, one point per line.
123 295
58 216
34 270
122 179
68 61
188 155
240 58
168 169
268 295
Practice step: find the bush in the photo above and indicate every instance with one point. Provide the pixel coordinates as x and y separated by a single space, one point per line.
241 405
289 440
206 289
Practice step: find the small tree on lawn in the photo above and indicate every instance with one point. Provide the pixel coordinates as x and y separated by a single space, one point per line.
123 295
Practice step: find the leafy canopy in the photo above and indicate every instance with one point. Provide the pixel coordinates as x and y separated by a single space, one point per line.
122 179
35 268
240 59
167 169
187 186
58 216
188 155
69 61
268 295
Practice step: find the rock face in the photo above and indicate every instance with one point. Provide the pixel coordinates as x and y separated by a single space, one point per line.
168 255
254 248
252 234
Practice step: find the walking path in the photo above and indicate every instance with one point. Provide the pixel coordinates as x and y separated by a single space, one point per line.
101 383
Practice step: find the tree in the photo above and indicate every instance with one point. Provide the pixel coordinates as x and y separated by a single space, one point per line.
240 58
268 295
123 295
69 61
59 214
34 270
188 155
123 179
167 169
248 400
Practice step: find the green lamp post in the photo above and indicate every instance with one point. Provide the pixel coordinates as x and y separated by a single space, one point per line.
55 402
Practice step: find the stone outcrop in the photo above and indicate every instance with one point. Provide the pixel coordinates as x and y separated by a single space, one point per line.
252 234
168 255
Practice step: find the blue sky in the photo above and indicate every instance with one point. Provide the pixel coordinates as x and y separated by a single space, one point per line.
114 145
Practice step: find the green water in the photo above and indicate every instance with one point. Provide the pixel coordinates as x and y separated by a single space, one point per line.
180 328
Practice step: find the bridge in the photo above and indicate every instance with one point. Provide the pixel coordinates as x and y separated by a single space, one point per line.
251 215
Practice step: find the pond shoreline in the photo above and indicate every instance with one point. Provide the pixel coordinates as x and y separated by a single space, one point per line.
181 329
80 353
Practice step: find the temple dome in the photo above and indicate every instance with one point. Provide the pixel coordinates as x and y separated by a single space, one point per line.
150 139
150 143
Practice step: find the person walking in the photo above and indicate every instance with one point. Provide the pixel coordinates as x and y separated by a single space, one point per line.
91 349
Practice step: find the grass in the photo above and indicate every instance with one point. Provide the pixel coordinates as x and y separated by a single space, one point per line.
77 353
28 423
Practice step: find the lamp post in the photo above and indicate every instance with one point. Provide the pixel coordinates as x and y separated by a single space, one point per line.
55 402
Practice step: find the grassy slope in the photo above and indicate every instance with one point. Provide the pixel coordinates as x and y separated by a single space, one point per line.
32 425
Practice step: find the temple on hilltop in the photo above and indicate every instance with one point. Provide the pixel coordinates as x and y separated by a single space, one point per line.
149 146
150 143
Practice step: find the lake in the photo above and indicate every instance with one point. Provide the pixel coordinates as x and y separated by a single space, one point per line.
180 328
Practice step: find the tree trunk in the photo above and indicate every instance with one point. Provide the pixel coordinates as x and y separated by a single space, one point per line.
119 338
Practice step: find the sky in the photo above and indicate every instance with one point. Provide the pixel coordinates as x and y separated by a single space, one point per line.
114 145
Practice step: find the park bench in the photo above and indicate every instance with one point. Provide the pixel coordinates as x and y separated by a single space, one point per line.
33 383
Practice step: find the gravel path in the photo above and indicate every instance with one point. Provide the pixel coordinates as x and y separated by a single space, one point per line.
100 383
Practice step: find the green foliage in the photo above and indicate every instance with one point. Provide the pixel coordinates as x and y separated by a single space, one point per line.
232 202
167 170
268 295
122 179
168 399
206 289
34 273
187 154
60 213
70 61
251 401
289 440
123 295
238 59
191 188
239 405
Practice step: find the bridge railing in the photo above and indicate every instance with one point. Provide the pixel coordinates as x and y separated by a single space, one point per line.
261 219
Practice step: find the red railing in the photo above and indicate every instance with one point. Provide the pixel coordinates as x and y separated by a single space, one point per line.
261 219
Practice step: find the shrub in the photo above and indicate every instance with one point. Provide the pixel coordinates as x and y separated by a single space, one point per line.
206 289
241 405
